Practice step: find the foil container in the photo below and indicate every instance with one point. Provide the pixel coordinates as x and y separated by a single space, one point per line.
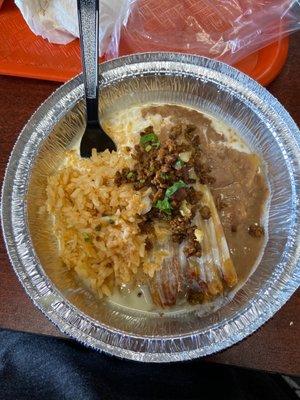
200 83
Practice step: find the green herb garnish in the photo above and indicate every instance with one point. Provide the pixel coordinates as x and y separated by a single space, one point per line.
164 205
86 237
165 176
179 164
142 180
130 175
149 138
173 189
148 148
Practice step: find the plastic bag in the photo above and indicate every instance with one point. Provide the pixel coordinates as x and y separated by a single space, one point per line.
57 20
228 30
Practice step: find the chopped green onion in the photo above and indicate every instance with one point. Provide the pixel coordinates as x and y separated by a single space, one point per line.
173 189
142 181
86 237
149 138
148 148
164 205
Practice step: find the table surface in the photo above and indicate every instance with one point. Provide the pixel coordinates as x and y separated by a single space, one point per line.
274 347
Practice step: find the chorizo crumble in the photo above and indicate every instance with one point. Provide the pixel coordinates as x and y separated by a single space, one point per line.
171 168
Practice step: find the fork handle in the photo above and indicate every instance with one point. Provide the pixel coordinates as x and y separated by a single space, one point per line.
88 21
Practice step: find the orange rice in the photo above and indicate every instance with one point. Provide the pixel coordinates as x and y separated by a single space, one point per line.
96 222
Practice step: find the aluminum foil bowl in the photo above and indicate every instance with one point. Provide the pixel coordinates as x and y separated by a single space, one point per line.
203 84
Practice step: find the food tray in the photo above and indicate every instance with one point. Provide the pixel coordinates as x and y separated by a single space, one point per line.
22 53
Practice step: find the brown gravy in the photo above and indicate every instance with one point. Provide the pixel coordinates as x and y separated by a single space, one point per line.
239 182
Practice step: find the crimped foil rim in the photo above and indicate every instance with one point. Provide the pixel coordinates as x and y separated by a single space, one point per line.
273 300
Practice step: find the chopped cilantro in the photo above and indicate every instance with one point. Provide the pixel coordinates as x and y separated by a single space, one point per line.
164 205
173 189
149 138
179 164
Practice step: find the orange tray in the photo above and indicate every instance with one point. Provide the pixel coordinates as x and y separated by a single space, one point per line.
22 53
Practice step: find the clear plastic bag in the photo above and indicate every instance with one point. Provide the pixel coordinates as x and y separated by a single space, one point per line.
57 20
227 30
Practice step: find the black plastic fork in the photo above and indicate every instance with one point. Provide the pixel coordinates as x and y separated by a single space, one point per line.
88 20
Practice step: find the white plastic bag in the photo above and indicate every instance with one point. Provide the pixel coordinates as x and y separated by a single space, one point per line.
56 20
